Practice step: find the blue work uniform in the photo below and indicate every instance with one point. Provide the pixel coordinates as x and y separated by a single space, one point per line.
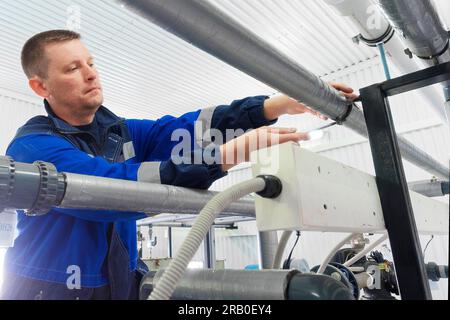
100 247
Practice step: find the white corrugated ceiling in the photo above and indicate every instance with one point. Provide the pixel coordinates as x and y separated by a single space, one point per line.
147 72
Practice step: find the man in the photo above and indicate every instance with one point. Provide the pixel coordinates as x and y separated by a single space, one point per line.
81 136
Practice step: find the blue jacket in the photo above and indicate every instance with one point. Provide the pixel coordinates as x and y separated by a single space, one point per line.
137 150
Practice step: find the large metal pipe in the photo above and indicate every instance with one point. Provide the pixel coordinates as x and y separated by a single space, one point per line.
421 27
38 187
110 194
374 28
205 26
430 188
250 285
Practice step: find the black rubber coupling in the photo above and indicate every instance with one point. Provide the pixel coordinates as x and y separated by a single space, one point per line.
273 187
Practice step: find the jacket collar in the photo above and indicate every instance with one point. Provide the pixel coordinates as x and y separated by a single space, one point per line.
104 117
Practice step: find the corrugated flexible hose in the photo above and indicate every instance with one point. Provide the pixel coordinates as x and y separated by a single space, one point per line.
172 275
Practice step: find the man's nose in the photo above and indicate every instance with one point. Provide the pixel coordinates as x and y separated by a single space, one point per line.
90 73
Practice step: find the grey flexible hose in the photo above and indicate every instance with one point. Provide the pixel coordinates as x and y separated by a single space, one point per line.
172 275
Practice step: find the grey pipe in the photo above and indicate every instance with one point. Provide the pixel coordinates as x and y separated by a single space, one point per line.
203 25
268 244
34 188
38 187
110 194
430 188
422 29
374 28
420 26
251 285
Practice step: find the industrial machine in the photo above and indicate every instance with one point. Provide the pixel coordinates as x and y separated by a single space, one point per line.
305 191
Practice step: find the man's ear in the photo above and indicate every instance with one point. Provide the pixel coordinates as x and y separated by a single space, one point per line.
38 86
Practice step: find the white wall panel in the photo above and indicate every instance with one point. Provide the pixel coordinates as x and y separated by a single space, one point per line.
15 111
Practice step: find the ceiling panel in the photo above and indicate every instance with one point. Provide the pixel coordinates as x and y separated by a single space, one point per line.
147 72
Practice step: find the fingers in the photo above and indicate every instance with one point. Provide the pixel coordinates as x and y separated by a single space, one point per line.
269 136
341 87
298 136
345 90
280 130
283 138
350 96
317 114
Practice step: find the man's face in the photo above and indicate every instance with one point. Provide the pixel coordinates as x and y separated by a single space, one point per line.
72 79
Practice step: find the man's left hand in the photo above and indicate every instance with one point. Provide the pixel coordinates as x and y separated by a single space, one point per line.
282 104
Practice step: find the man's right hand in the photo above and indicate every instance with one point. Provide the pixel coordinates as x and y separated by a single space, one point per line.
239 149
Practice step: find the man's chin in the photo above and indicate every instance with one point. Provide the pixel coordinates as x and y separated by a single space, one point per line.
94 103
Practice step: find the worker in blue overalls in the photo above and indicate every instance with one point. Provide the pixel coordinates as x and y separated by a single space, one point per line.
90 254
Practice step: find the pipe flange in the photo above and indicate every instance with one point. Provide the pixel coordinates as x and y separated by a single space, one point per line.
49 189
7 178
390 31
447 46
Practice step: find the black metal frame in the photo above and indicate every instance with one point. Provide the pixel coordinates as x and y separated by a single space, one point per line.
391 181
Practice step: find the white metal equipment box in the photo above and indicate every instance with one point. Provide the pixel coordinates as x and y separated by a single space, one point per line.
320 194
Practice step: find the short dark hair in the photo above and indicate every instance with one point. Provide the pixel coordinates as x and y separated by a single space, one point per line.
34 61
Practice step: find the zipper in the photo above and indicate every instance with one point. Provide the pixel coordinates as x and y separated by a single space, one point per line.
98 150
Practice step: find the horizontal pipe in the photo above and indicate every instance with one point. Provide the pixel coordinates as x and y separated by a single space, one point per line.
430 188
99 193
250 285
205 26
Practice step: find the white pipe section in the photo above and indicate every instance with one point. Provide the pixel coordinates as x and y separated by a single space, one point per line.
205 219
330 256
365 251
280 250
372 25
365 15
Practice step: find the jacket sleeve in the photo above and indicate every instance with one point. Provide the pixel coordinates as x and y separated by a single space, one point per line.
155 140
244 114
67 158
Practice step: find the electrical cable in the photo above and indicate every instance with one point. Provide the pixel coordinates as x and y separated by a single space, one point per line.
426 247
288 260
280 249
